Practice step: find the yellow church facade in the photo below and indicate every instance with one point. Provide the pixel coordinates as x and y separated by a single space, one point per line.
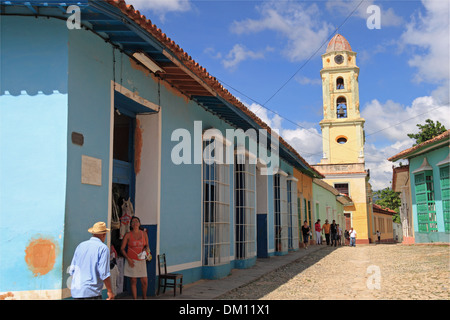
343 163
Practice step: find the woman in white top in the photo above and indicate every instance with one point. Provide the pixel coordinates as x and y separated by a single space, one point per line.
352 233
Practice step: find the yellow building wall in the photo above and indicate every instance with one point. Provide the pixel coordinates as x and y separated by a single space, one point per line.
360 212
347 152
304 192
384 224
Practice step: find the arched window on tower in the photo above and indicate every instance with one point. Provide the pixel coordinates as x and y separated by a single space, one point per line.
341 107
340 83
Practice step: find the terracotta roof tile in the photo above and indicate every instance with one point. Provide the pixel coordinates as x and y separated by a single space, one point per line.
338 43
378 209
405 153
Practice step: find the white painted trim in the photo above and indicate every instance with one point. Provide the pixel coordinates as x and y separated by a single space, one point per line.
211 132
183 266
110 173
158 209
345 176
240 150
135 97
281 172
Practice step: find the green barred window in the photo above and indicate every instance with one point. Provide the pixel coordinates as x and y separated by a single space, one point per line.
445 191
426 209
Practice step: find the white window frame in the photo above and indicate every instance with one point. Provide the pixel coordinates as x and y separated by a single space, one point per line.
244 204
216 208
280 212
293 234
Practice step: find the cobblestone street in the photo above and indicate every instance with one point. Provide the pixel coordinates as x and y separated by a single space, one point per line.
365 272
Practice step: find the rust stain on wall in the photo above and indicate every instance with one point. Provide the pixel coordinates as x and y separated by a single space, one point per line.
40 256
137 147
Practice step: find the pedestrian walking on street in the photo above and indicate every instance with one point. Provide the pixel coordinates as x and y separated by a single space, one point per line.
326 230
90 267
306 231
333 231
347 237
339 235
379 236
352 234
317 228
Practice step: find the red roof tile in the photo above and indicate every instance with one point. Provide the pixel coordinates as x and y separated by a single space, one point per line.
379 209
338 43
405 153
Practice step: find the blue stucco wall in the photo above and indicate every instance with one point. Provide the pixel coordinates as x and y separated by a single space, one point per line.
181 220
433 158
56 81
89 88
33 136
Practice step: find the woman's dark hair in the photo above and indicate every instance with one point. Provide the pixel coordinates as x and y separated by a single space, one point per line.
134 217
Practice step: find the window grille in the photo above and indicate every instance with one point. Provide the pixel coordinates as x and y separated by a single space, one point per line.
245 217
445 193
426 209
342 188
281 214
216 208
293 236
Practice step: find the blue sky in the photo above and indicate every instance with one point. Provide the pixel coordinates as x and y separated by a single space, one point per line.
268 54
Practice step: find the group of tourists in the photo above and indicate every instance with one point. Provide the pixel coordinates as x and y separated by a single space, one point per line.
333 234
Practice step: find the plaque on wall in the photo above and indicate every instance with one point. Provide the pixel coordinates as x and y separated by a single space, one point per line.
91 170
77 138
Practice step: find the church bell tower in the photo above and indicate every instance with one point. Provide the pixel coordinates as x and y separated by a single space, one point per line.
342 125
342 163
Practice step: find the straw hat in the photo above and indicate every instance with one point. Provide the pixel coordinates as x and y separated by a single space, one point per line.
98 228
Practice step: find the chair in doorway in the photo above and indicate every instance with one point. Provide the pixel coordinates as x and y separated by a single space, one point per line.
168 280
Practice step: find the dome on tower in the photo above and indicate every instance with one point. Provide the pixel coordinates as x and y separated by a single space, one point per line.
338 43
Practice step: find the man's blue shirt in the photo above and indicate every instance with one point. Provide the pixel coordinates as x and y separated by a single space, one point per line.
90 266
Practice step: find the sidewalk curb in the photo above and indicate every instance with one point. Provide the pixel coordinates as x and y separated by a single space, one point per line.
214 289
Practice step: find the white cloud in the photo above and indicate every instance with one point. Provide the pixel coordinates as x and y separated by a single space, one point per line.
427 35
307 142
388 17
161 7
296 22
240 53
391 122
210 51
308 81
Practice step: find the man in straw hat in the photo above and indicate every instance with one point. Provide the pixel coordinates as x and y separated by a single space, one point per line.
90 266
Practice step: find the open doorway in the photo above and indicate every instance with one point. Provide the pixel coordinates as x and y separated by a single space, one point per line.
135 162
262 242
122 193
